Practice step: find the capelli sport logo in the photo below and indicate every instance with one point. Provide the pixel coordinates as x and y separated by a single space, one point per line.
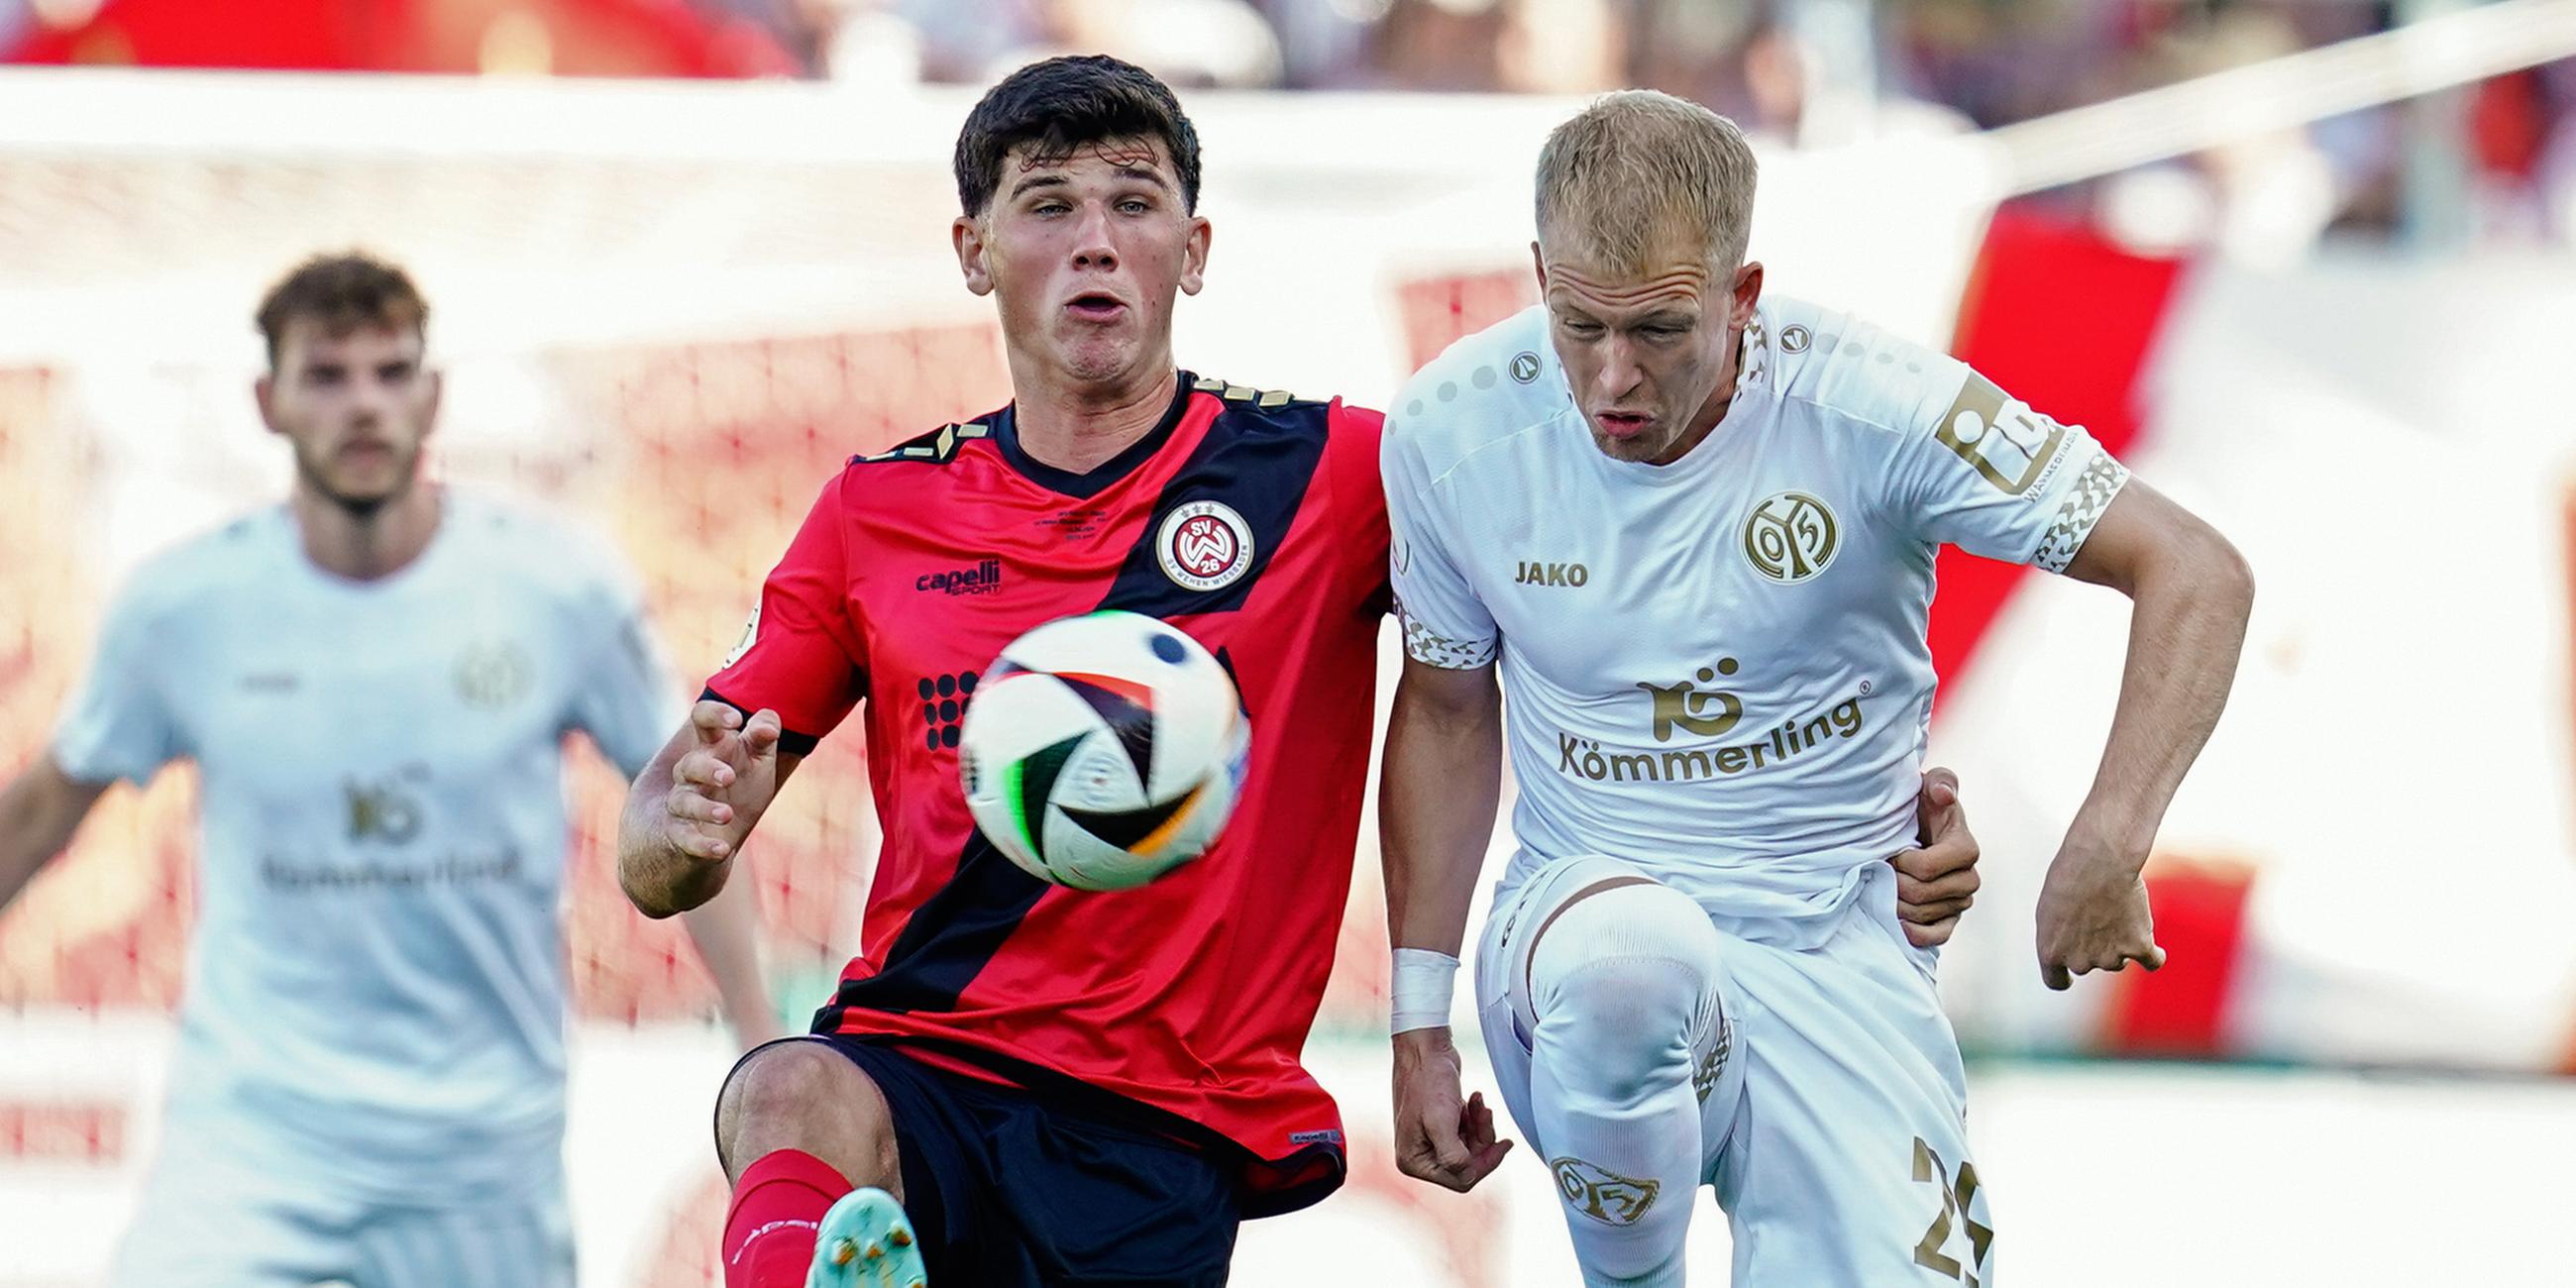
982 579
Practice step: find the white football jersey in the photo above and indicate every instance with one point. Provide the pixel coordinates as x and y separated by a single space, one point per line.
1716 669
377 971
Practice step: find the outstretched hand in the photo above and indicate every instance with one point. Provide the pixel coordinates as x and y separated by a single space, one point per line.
720 786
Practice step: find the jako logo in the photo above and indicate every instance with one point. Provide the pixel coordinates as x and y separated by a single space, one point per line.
1551 574
1683 705
982 579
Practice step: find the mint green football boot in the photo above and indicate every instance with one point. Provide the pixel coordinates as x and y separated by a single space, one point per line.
866 1242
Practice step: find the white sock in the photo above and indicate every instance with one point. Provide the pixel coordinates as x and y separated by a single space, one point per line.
1625 984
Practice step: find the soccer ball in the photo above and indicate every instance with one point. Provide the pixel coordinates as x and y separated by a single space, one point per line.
1102 751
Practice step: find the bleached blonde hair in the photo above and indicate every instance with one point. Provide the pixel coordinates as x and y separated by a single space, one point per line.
1636 170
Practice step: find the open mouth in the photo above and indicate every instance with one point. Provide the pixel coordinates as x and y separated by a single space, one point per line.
1623 424
1095 306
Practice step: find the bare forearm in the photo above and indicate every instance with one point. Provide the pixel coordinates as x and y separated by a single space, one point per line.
39 812
1436 803
726 931
21 852
663 882
2186 629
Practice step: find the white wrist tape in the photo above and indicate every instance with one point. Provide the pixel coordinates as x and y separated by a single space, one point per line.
1419 992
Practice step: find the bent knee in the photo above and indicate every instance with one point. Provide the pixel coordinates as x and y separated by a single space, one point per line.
788 1075
788 1092
1641 932
1630 975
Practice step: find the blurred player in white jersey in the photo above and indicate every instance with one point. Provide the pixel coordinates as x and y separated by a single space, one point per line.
1693 531
374 680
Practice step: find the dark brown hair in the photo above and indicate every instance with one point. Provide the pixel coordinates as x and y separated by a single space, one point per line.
342 292
1061 104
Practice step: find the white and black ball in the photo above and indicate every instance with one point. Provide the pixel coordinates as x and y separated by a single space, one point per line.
1104 750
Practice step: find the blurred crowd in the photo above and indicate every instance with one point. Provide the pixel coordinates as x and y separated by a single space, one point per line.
1808 73
1800 73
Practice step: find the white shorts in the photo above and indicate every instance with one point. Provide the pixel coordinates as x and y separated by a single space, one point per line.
1844 1160
214 1211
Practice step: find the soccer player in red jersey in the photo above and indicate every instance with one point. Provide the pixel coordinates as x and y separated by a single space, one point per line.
999 1042
1017 1083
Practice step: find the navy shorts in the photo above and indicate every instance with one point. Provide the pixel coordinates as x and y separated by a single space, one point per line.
1007 1190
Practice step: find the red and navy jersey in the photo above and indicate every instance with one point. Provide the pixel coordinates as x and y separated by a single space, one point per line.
1253 521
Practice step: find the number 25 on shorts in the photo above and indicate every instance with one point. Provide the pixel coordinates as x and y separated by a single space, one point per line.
1956 1195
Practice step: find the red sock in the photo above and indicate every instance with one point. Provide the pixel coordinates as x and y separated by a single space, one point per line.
778 1207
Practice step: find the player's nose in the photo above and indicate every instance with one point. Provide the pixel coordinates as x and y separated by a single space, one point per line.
1091 241
370 400
1619 370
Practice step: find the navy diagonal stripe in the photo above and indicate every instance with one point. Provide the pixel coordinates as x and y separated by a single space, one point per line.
1259 463
947 940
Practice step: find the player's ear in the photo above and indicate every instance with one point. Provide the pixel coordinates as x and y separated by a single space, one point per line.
264 391
1744 294
1538 264
1194 255
968 235
437 392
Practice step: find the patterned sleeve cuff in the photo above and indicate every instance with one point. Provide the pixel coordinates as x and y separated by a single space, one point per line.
2101 480
1432 648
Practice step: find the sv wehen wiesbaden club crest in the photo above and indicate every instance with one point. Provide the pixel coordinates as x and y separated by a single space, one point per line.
1204 545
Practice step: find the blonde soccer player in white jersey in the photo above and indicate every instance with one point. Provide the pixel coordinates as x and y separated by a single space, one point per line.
1690 531
374 680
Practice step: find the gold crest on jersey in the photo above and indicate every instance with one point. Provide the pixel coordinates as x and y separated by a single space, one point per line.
1791 537
490 677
